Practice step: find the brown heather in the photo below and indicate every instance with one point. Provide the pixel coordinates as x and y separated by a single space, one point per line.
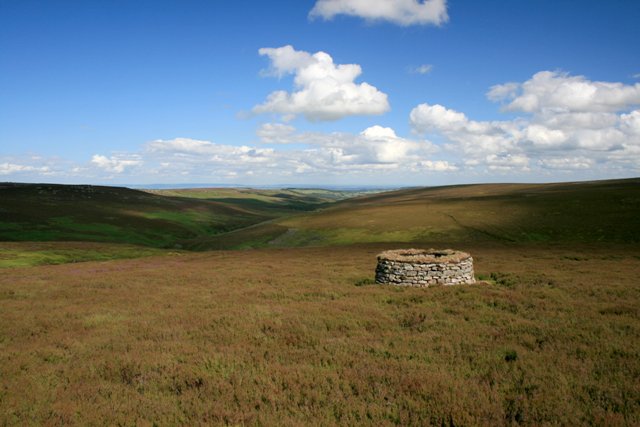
285 337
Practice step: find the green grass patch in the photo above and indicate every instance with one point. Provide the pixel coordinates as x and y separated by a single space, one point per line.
26 255
365 282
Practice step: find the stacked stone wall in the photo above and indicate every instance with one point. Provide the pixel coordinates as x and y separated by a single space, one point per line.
422 271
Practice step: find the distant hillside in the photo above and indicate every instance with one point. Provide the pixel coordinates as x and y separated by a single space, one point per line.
565 212
239 218
49 212
275 201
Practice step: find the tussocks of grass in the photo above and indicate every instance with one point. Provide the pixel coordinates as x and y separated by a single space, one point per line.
292 337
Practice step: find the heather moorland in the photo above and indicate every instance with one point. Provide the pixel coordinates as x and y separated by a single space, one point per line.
293 331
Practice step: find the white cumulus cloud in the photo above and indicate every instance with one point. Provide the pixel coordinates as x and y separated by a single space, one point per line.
507 162
630 123
182 146
422 69
114 164
197 151
560 92
567 163
388 147
275 133
438 165
401 12
375 147
566 123
374 151
7 168
323 90
374 155
472 138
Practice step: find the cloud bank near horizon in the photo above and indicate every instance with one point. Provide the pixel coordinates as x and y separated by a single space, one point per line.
566 122
565 126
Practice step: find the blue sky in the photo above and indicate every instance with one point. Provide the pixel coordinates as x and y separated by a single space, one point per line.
326 92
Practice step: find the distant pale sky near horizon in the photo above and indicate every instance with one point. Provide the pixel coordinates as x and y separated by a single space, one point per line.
319 92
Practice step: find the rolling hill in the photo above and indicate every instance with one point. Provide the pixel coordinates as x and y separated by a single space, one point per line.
205 219
600 211
167 218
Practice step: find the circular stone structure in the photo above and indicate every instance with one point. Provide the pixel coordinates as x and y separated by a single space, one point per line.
424 267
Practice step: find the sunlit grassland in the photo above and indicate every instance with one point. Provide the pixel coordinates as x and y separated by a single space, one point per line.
161 219
287 337
23 254
45 212
606 211
308 195
203 219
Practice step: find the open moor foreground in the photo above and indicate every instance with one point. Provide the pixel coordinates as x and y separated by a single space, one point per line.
291 336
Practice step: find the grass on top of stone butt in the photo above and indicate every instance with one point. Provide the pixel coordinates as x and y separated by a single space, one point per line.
426 256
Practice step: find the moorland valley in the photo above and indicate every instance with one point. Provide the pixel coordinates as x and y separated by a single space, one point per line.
244 306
